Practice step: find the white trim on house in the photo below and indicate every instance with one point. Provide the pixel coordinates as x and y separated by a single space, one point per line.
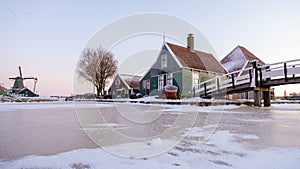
157 57
169 79
193 69
173 55
128 87
160 81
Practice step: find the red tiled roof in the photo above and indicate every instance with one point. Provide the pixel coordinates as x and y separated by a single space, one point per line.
196 59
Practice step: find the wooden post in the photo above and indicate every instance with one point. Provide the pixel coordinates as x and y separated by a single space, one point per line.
232 79
267 97
255 72
250 75
260 77
205 90
194 91
257 97
218 84
294 74
285 73
267 70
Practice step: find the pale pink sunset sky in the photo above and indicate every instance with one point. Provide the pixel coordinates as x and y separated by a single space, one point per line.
46 37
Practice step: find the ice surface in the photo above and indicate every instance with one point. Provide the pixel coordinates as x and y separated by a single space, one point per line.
32 106
223 149
219 152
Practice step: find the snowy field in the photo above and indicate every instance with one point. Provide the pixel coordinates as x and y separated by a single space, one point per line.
48 135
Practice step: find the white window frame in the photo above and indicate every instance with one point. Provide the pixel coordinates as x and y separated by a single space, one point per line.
160 82
164 61
195 78
170 79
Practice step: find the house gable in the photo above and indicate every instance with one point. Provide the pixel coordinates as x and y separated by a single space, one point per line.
121 85
238 58
165 63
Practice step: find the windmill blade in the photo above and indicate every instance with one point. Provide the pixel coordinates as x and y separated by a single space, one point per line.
28 78
12 78
20 71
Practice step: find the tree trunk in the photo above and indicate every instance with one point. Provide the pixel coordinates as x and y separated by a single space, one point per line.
98 91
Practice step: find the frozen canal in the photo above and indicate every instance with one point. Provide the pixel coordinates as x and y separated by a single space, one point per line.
49 135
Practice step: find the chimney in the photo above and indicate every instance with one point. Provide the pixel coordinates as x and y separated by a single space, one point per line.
190 41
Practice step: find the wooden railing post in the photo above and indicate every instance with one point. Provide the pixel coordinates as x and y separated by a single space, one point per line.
294 74
218 84
285 73
267 70
260 77
205 90
250 75
255 72
194 91
232 79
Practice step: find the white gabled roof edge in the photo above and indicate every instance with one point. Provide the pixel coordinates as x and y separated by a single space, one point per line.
157 57
114 78
124 81
173 55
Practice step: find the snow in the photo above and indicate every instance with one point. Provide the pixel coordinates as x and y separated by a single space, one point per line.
220 151
235 60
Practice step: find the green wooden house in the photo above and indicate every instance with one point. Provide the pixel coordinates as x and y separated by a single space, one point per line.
180 66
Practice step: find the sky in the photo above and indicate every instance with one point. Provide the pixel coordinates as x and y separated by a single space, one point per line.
46 37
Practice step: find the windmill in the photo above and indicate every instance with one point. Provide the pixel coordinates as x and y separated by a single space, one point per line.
19 88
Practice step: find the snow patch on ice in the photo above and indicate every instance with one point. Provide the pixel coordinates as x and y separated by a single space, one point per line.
220 151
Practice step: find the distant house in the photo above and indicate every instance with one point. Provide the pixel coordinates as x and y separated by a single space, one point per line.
238 59
180 66
123 85
26 92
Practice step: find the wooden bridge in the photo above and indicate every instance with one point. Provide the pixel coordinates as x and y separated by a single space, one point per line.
254 78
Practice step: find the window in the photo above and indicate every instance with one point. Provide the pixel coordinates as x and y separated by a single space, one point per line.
118 82
160 82
170 79
195 76
164 61
148 84
144 84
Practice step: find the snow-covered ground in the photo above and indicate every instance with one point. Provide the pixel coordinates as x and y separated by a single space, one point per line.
245 137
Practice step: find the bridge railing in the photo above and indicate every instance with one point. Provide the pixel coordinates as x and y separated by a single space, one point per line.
224 81
288 69
253 75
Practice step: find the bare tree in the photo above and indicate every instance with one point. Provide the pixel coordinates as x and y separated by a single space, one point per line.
96 66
